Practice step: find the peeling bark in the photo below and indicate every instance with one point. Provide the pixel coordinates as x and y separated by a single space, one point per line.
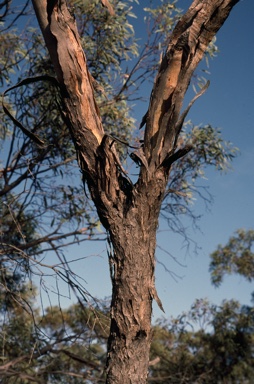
189 41
129 212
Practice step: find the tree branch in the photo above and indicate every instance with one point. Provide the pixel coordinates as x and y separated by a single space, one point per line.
187 46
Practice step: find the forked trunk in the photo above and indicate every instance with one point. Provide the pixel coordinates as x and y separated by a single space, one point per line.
130 212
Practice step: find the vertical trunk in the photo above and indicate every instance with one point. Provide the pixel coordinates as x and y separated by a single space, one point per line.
131 306
132 271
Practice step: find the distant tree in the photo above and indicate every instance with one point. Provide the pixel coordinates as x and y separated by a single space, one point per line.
66 109
236 257
18 335
209 344
60 346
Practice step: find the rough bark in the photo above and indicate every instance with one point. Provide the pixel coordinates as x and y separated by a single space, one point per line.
134 241
129 212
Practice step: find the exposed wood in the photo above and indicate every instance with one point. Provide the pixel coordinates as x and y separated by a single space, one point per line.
189 41
109 7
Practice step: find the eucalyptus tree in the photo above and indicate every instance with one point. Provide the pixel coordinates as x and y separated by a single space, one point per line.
129 211
83 104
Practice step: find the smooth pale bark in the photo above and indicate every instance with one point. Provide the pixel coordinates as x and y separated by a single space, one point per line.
129 212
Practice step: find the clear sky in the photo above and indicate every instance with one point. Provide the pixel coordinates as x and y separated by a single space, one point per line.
228 104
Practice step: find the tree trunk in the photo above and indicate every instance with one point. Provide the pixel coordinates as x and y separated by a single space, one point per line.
133 238
129 212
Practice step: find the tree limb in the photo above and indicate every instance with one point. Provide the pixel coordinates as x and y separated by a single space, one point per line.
187 46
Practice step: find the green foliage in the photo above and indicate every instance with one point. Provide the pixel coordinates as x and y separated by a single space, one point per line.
68 347
16 230
236 257
209 149
12 53
209 344
162 17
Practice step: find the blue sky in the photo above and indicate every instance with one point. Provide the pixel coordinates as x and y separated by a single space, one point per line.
229 105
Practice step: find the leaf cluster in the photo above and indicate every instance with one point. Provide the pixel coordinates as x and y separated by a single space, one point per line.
236 257
208 149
